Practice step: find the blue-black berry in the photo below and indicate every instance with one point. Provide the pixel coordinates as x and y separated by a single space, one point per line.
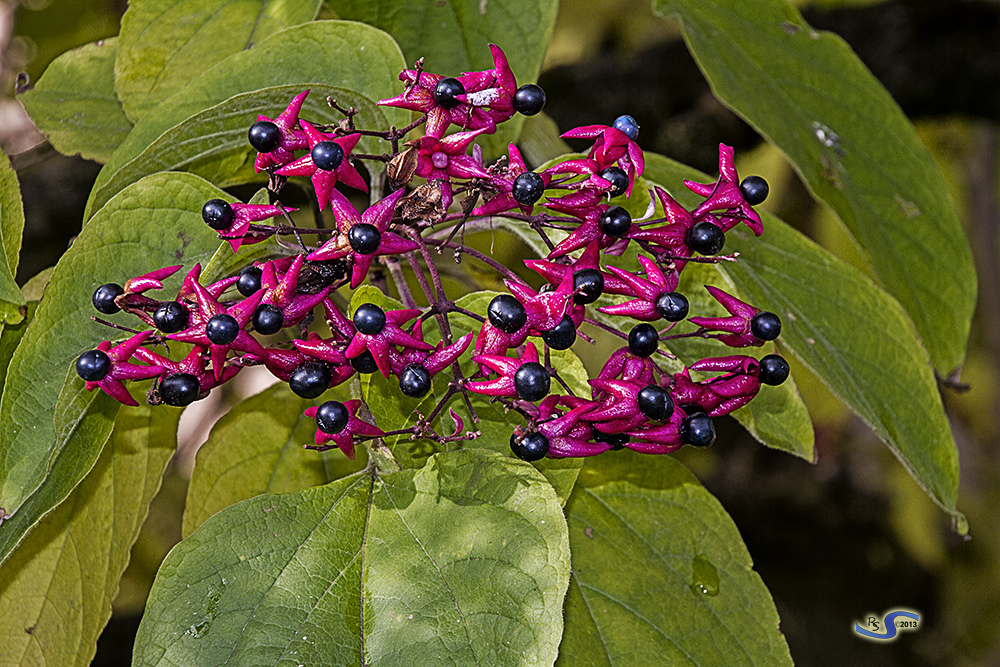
655 402
327 155
264 136
698 430
616 221
643 340
773 370
364 238
530 447
267 319
445 92
529 99
415 381
217 214
310 379
765 325
170 317
179 389
618 179
627 125
528 188
531 382
369 319
672 306
616 440
93 366
249 282
588 285
561 336
706 239
364 363
222 329
506 313
332 417
104 298
754 189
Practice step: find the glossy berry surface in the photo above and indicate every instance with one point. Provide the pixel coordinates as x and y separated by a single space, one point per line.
706 239
529 99
264 136
530 447
754 189
222 329
445 92
327 155
364 363
369 319
171 317
643 340
249 282
618 178
765 325
655 402
616 440
506 313
415 381
104 298
627 125
672 306
93 366
616 221
561 336
364 238
217 214
773 370
332 417
310 379
267 319
698 430
588 285
531 382
528 188
179 389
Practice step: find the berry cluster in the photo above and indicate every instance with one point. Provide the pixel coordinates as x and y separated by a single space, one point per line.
633 402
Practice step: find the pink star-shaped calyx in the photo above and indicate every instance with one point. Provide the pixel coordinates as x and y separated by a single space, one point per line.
345 439
612 146
566 433
282 292
726 195
506 367
236 234
292 138
736 326
433 361
502 185
391 334
619 401
646 291
723 394
119 355
445 159
324 181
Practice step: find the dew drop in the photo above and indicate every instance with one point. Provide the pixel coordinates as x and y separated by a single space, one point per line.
705 578
827 137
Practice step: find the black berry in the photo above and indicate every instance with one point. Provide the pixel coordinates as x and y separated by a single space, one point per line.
369 319
529 99
754 189
616 221
561 336
364 363
445 92
264 136
506 313
698 430
530 447
672 306
643 340
528 188
616 440
773 370
706 239
655 402
179 389
249 282
332 417
618 178
310 379
627 125
531 381
222 329
170 317
268 319
104 298
217 214
415 381
364 238
765 325
588 285
93 366
327 155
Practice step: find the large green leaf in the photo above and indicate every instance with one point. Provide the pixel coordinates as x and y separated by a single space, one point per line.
153 223
11 227
660 573
81 80
166 43
346 55
850 333
464 561
522 28
56 589
812 97
258 448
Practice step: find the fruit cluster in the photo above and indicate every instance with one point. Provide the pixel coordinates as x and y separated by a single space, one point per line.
634 403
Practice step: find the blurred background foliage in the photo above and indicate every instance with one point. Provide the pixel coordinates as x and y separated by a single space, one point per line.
849 536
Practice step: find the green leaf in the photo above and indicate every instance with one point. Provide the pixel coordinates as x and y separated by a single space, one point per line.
347 55
56 589
810 96
856 338
431 29
463 561
258 448
75 105
213 143
688 595
166 43
153 223
11 227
